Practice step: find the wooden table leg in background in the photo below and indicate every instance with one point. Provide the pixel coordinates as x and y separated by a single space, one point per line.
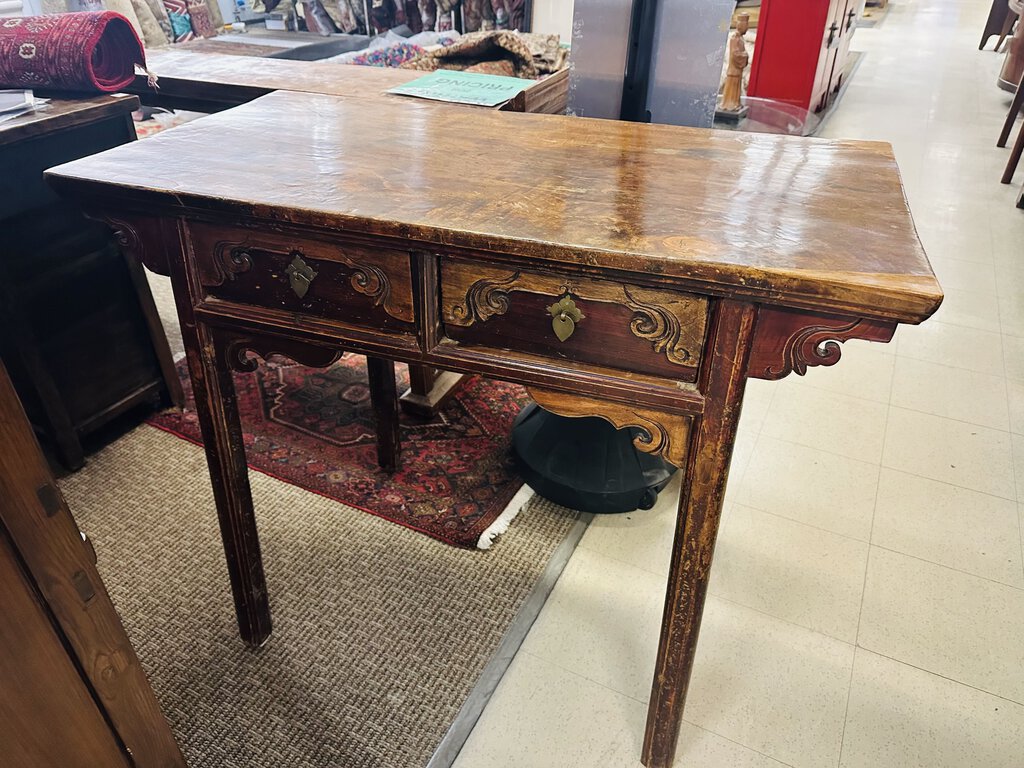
428 390
384 394
700 506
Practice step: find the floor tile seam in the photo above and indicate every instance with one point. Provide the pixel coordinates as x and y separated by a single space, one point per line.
927 671
846 710
1013 462
738 743
825 450
576 674
899 353
802 523
649 571
947 567
871 536
788 622
1007 431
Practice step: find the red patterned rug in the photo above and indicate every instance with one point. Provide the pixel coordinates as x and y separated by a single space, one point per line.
314 428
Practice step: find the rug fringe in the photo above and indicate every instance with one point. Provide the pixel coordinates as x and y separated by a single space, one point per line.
512 509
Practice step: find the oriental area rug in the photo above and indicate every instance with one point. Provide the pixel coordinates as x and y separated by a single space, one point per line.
315 428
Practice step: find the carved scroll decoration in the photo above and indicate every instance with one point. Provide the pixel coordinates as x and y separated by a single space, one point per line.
662 433
657 325
790 341
127 236
236 349
673 323
228 262
484 299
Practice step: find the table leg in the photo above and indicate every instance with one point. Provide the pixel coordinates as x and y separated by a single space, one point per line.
1011 117
700 506
1014 158
384 396
217 409
428 390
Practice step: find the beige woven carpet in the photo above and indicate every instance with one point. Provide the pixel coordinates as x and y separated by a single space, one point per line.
379 633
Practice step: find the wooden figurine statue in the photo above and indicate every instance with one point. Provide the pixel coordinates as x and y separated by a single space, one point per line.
738 60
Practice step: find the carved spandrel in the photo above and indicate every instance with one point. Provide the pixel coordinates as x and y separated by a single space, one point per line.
663 433
140 238
791 341
235 349
673 323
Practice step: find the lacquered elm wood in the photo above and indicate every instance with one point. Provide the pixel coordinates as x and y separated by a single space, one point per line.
429 389
384 393
789 341
726 255
65 113
782 219
700 508
40 527
621 325
664 433
217 409
212 82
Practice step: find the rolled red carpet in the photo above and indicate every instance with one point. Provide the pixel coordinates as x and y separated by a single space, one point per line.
69 52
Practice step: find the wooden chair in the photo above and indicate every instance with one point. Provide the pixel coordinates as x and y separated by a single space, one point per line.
1000 22
1018 146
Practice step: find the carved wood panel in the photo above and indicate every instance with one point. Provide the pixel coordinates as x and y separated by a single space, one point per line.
665 434
133 233
790 340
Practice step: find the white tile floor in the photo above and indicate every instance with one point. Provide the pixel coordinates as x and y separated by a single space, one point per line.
867 604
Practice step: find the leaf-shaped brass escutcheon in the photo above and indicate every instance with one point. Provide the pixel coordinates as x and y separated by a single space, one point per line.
300 275
564 317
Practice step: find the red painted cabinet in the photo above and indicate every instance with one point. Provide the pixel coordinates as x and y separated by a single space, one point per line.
801 50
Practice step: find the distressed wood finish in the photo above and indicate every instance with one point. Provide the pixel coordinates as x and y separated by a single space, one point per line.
623 325
211 82
353 283
788 341
720 255
78 328
700 508
83 628
667 434
809 223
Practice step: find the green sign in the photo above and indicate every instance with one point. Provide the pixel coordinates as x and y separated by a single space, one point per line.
464 87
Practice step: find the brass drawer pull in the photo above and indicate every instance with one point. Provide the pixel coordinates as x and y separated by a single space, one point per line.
564 316
300 275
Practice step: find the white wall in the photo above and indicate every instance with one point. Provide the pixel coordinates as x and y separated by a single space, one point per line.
553 17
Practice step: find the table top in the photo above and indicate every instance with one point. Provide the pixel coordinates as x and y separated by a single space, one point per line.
65 113
187 69
784 220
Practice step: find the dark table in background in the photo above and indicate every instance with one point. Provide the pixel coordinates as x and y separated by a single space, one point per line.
79 331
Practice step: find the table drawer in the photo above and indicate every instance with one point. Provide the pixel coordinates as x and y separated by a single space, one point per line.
599 322
350 283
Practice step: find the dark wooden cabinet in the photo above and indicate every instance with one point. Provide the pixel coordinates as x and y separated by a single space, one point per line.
79 331
801 51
